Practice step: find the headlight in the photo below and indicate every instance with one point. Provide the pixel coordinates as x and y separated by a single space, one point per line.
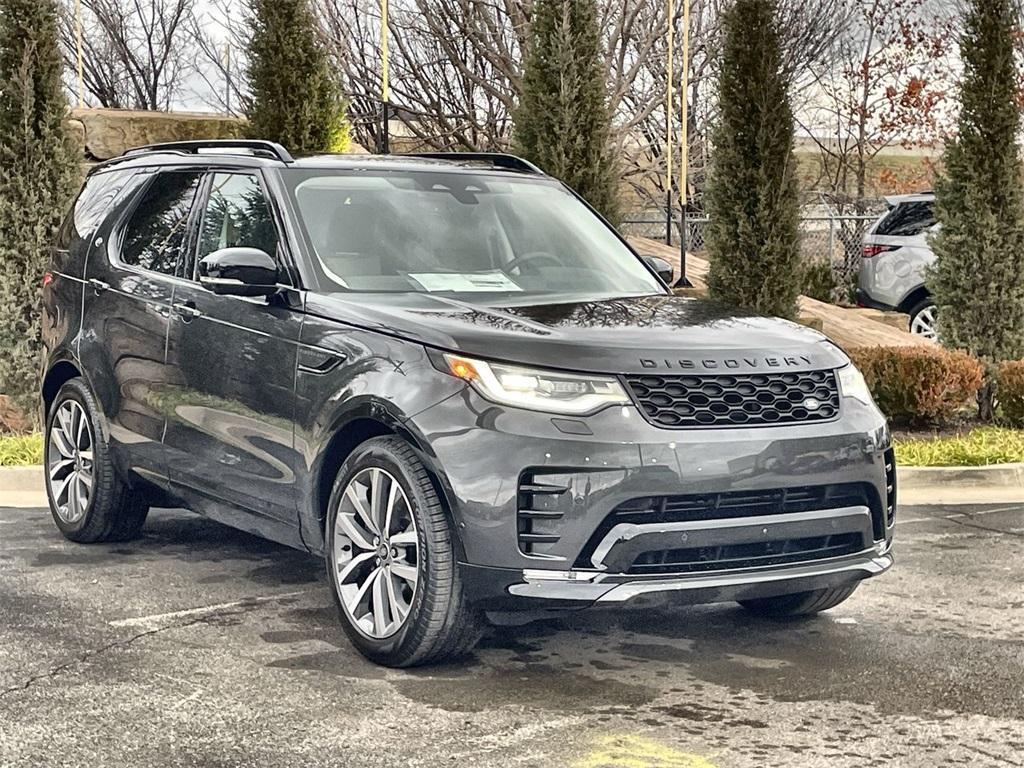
538 390
852 384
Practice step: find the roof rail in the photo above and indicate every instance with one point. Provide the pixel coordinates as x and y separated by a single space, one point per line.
257 146
497 159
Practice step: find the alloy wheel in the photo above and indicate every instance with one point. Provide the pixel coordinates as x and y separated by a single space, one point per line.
375 553
923 323
70 465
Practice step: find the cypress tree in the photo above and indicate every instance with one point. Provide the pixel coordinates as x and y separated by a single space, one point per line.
38 175
562 122
751 195
295 98
978 278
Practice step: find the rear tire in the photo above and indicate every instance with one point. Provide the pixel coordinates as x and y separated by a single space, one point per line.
923 316
401 603
88 500
798 604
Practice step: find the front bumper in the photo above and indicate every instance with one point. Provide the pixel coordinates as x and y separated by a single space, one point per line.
488 458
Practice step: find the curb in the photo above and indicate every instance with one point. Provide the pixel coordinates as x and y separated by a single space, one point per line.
21 479
985 476
916 485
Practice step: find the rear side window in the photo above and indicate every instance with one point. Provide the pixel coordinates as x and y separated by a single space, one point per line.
907 219
155 234
100 190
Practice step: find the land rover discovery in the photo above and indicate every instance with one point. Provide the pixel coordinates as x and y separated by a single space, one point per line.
453 380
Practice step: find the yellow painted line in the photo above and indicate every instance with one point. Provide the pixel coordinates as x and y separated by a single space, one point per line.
632 751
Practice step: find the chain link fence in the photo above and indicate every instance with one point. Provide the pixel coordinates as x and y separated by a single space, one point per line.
832 240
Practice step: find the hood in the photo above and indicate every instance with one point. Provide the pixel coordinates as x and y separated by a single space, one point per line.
624 335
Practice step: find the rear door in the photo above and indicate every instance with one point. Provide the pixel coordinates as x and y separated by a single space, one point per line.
229 436
129 285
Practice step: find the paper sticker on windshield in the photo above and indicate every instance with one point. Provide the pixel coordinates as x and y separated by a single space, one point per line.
495 282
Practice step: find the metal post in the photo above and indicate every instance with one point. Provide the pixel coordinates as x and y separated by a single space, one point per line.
78 51
684 148
385 90
832 242
227 75
669 20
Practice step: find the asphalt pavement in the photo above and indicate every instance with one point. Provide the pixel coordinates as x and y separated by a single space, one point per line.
198 645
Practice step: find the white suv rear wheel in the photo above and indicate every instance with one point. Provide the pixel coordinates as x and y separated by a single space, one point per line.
923 318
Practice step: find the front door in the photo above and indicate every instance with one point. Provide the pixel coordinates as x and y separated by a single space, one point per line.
126 313
229 436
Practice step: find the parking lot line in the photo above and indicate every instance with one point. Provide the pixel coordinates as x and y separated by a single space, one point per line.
958 515
158 620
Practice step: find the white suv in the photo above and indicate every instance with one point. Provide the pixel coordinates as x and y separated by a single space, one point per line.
896 254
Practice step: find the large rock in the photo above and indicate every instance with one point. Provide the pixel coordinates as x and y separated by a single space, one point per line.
11 419
107 133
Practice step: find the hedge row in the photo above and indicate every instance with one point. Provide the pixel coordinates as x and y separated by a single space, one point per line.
931 385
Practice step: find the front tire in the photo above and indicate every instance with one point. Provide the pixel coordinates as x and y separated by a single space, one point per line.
798 604
88 500
391 560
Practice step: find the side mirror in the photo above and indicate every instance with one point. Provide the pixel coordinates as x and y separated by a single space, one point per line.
239 272
661 267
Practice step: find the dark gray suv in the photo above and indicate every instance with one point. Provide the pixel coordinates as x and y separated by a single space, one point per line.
453 380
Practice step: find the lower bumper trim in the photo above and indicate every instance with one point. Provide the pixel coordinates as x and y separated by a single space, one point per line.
865 569
705 587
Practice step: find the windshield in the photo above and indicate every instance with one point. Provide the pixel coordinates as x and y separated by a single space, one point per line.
467 235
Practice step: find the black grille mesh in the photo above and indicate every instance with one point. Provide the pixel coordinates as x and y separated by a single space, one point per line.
759 554
727 400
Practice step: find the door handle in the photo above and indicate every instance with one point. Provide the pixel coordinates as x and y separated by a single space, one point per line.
99 286
187 310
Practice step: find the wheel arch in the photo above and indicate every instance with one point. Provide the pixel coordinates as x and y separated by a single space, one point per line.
347 434
913 298
59 374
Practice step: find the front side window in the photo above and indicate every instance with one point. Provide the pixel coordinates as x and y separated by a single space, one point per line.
466 235
236 215
155 234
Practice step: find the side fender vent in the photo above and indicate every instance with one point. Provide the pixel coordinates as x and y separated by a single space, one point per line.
542 503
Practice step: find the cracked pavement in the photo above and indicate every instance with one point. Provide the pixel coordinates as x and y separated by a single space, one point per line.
198 645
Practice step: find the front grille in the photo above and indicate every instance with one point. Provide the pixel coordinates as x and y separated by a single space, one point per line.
758 554
730 504
736 400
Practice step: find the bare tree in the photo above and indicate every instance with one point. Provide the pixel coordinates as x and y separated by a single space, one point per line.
455 71
455 66
886 82
136 53
220 36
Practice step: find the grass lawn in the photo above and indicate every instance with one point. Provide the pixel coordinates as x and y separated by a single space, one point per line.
20 450
983 445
